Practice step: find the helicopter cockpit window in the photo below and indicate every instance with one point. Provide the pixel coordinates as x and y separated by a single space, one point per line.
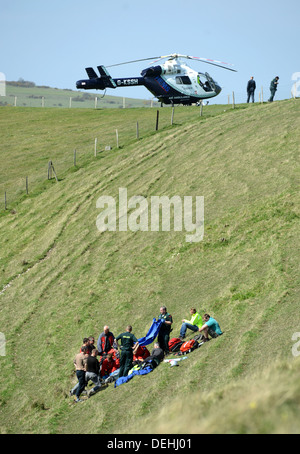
206 85
185 80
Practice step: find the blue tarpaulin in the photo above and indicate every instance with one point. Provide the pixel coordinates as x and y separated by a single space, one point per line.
152 333
122 380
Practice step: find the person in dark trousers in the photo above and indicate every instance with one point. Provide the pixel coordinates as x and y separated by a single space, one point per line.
105 341
211 327
165 329
93 372
129 343
273 88
156 357
80 366
251 86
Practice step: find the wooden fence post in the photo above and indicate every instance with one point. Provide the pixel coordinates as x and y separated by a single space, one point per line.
157 118
233 100
172 117
50 170
95 148
137 130
117 137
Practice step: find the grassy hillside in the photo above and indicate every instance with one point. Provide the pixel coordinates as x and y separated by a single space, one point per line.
63 280
32 96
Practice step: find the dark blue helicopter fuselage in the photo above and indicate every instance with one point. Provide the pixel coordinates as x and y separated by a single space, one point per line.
151 79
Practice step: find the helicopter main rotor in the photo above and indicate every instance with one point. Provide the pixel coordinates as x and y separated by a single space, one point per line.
176 56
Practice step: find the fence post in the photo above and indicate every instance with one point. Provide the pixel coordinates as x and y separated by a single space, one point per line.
117 137
27 185
137 130
70 104
201 108
95 149
172 117
96 101
50 170
233 100
157 118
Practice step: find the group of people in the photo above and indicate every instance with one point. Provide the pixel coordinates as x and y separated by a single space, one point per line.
251 87
89 368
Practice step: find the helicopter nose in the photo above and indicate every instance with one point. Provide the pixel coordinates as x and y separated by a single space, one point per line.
218 89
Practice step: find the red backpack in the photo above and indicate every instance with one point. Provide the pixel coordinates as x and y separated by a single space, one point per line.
188 346
174 344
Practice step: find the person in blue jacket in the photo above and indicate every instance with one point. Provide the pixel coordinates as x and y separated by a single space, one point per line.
211 327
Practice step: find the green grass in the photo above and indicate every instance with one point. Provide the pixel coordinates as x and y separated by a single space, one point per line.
67 279
55 97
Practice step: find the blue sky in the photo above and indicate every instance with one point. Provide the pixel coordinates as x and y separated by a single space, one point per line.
51 42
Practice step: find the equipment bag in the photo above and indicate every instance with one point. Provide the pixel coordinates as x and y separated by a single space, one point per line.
189 346
175 344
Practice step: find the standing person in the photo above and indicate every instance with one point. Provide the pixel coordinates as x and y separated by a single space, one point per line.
86 343
80 366
211 327
273 88
194 324
251 86
92 343
165 329
93 371
105 341
128 343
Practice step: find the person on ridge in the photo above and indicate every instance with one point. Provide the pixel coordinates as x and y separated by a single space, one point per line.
251 86
273 88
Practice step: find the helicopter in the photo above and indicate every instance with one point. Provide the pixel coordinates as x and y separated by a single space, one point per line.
172 82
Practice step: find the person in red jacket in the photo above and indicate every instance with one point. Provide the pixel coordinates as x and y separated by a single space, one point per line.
141 353
109 365
105 341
